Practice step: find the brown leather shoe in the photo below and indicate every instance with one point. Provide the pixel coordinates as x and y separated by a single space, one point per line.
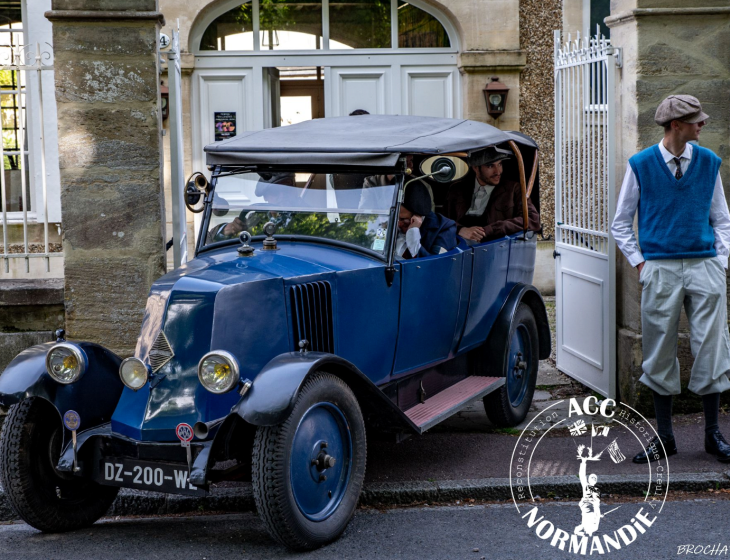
654 451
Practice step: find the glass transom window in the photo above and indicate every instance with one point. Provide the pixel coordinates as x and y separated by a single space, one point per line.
341 24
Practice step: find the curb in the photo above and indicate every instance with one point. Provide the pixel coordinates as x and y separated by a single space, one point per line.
240 499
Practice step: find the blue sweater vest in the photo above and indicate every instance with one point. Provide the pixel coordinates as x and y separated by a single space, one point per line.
674 215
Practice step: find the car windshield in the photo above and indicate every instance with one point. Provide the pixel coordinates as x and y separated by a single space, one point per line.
349 207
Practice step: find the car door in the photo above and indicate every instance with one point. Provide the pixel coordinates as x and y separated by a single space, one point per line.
429 308
489 288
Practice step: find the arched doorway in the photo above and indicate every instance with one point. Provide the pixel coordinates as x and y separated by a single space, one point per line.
324 57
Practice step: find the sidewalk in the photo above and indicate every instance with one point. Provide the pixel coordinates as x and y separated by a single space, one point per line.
467 446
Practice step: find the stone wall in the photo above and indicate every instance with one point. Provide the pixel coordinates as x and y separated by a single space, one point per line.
107 91
30 310
538 20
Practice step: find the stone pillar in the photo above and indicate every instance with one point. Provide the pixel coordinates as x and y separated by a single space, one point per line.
107 90
669 47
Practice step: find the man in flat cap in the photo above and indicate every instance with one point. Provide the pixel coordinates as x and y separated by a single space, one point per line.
684 231
484 205
422 232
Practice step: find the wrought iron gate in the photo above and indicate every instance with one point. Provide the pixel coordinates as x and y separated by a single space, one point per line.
585 75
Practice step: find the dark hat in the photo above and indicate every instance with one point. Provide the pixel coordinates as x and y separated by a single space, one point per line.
487 156
417 199
685 108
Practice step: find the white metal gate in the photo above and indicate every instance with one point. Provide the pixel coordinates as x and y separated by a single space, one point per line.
27 67
585 74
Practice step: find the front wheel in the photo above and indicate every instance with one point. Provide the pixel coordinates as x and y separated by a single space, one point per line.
49 500
518 364
308 472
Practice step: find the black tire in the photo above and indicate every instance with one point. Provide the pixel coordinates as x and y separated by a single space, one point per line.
273 470
50 501
508 406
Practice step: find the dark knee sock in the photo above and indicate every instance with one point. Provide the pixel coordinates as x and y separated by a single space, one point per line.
711 404
663 409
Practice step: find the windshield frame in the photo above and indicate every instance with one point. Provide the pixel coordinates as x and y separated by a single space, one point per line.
220 171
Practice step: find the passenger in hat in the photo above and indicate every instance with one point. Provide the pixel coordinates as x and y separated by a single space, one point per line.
422 232
684 228
374 197
484 204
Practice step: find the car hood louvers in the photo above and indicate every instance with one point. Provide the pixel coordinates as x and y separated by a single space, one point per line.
311 306
160 353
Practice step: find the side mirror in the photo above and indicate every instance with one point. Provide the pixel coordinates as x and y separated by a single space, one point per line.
457 168
197 186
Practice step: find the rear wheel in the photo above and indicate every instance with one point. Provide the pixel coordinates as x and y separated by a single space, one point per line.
308 472
518 364
49 500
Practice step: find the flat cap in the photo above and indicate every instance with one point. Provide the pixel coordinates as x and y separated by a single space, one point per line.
487 156
685 108
417 199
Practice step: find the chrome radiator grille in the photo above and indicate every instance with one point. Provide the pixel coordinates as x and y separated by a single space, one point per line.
160 353
311 310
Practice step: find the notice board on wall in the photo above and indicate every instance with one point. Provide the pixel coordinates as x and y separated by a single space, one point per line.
225 125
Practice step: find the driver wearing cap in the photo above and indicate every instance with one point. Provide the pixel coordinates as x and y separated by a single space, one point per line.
422 232
484 205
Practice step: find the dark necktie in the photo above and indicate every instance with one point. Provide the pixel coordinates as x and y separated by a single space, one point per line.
678 173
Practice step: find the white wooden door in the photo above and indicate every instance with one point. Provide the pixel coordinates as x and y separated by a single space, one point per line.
225 91
402 89
428 91
584 208
350 88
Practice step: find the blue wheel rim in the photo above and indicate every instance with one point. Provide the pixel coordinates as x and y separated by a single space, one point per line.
323 429
518 366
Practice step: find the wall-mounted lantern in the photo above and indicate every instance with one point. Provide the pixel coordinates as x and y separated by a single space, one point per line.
165 102
495 95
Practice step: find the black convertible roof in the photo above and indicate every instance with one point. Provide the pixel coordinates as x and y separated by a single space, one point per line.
363 140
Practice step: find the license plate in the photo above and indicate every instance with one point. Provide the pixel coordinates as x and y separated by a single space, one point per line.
147 475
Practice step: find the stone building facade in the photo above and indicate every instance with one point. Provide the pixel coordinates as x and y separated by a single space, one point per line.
113 156
510 39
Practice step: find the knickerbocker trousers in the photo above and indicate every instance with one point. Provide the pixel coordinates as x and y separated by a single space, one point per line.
699 285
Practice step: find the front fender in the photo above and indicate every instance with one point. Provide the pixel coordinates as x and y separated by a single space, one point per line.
521 293
94 396
274 392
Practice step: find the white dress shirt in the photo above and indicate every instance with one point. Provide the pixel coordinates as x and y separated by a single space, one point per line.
480 199
410 240
628 202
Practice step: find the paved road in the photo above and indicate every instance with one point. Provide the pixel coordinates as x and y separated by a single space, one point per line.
420 534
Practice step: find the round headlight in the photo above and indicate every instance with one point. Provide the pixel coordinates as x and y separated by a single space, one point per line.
66 362
134 373
218 372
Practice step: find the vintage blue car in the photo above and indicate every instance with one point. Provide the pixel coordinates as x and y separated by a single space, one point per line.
294 335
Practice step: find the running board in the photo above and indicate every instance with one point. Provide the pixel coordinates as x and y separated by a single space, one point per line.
450 401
